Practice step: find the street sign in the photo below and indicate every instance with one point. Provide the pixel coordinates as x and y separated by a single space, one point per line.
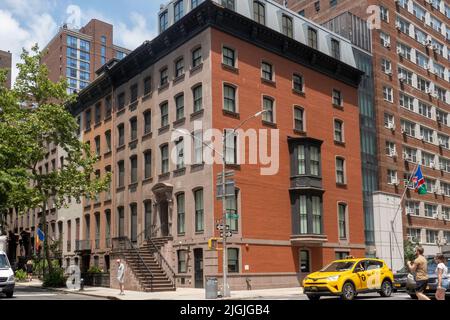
220 227
233 216
227 234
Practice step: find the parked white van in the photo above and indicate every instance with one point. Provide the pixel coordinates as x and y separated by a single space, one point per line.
7 280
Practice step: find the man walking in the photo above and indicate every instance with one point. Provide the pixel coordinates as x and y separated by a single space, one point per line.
420 267
120 275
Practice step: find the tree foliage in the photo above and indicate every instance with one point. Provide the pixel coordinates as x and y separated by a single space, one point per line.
34 119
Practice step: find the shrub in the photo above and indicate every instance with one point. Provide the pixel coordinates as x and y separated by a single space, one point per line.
56 279
39 264
94 269
20 275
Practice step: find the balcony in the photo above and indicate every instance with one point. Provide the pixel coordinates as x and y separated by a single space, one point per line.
82 245
302 239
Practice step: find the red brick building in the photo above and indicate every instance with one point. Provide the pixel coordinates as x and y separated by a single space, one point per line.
219 66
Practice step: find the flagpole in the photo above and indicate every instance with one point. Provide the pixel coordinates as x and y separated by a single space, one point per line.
396 213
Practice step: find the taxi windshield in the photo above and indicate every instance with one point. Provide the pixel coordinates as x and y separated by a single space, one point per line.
338 266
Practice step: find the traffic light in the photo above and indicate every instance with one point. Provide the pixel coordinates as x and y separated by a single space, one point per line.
212 243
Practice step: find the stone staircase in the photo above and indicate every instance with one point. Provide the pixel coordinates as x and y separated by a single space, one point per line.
142 260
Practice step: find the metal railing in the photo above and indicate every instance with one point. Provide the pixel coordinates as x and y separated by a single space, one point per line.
82 245
124 244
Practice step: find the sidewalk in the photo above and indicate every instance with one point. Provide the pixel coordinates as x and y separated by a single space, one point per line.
179 294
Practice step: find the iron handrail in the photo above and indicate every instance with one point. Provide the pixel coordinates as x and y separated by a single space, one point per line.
139 256
162 259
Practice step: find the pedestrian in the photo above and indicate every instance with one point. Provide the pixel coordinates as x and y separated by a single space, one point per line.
442 275
30 270
420 267
120 275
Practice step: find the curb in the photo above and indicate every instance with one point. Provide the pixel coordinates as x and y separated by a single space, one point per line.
74 292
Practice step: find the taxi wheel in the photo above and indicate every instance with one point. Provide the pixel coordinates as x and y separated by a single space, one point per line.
313 297
348 291
9 294
386 289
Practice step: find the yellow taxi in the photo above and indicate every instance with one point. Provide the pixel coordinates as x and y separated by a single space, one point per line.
349 277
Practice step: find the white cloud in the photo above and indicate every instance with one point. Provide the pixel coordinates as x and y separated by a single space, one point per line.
133 37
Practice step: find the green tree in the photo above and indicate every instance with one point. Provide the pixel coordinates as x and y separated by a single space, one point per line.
409 250
34 116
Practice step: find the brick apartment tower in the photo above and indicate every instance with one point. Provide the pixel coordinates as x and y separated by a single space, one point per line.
411 63
218 66
77 54
6 63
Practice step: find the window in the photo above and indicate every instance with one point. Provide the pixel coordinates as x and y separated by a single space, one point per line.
342 219
178 10
228 57
385 39
340 171
422 60
198 198
407 102
180 214
446 215
405 76
164 77
229 93
422 84
301 13
179 67
317 6
440 93
402 25
198 98
232 208
268 107
121 133
230 146
259 14
386 66
180 153
72 63
389 121
72 41
163 21
408 128
84 45
108 107
392 177
444 141
97 145
299 119
179 104
297 83
182 257
427 159
305 261
233 260
426 134
335 50
309 215
147 164
133 129
198 147
133 93
267 71
194 3
390 149
73 53
444 165
121 178
306 160
338 131
432 236
420 36
147 85
414 235
229 4
384 14
337 98
87 123
412 208
121 101
147 218
71 72
439 70
134 166
287 26
164 114
388 94
425 109
196 57
312 38
436 24
164 159
147 122
418 12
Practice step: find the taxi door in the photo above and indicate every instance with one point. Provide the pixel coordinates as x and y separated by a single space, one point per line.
375 274
360 275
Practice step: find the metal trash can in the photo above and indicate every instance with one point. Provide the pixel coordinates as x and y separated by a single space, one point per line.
212 287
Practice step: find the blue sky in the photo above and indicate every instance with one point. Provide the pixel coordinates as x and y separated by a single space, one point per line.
25 22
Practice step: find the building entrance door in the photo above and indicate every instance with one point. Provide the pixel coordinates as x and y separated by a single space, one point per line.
198 267
164 218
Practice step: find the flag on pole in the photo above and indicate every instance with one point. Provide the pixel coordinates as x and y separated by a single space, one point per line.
419 182
40 236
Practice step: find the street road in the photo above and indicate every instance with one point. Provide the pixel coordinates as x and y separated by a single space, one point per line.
34 293
369 296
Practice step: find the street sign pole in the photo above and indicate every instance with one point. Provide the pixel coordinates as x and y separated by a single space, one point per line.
226 291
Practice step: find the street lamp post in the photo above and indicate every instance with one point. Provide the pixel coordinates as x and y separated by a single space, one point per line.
225 135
